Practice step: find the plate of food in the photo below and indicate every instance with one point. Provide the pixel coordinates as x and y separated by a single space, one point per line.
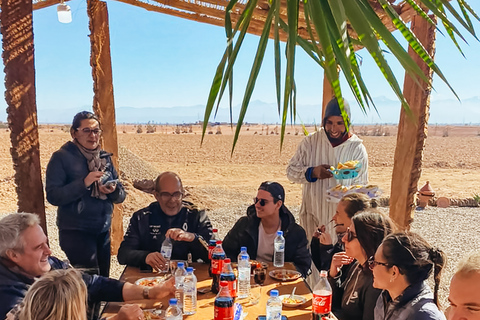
292 302
153 314
346 170
149 282
284 274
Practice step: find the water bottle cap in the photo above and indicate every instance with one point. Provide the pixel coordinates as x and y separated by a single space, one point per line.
243 249
173 301
244 257
189 269
180 264
279 233
273 293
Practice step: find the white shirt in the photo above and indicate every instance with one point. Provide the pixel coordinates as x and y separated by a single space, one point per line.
265 244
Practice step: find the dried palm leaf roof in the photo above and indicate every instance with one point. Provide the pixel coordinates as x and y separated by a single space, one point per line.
213 12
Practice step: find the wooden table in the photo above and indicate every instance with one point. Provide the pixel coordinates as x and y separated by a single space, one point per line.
205 301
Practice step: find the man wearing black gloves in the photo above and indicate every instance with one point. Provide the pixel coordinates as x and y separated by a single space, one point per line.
170 216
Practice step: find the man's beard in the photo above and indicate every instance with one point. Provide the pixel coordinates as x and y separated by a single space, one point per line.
336 140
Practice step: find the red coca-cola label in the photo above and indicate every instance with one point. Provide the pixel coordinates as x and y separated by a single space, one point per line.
210 251
322 302
232 286
223 313
217 266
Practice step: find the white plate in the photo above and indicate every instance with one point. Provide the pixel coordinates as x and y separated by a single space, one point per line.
292 305
284 274
150 281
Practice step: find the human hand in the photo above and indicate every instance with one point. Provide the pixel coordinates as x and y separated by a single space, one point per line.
321 172
155 260
130 312
107 188
322 235
338 260
178 234
92 177
163 289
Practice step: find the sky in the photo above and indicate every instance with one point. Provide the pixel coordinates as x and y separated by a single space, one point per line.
161 61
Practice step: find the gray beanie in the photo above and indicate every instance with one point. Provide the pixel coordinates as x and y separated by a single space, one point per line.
333 109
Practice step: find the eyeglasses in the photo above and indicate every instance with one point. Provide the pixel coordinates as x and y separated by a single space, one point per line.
87 131
350 235
372 263
167 195
263 202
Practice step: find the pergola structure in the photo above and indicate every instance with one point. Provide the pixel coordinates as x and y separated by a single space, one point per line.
18 52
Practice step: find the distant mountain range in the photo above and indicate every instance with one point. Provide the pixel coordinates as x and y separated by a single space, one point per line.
441 112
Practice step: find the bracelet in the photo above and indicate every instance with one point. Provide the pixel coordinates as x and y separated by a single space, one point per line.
146 292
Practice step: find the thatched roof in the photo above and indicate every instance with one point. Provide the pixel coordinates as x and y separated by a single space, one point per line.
213 11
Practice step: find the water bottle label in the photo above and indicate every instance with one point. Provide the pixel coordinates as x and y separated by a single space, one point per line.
167 253
321 304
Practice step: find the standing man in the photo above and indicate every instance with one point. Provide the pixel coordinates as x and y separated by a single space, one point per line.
169 216
332 144
464 296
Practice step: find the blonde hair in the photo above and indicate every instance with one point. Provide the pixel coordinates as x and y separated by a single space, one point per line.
469 264
58 295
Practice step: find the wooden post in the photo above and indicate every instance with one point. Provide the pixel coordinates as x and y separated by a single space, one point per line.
17 30
327 93
412 132
103 102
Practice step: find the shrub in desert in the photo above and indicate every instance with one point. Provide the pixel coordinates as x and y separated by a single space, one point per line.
219 130
151 128
139 128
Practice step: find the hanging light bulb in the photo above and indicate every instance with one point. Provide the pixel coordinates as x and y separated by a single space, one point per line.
64 13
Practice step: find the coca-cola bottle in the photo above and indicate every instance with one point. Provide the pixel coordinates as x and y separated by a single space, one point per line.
218 255
228 275
322 298
223 306
211 246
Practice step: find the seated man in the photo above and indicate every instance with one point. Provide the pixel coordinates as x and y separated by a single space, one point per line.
464 297
169 216
25 255
258 230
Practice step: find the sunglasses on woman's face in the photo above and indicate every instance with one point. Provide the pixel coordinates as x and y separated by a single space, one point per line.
350 235
372 263
263 202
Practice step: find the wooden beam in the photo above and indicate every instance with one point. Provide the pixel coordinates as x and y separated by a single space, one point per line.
412 132
327 94
18 57
103 102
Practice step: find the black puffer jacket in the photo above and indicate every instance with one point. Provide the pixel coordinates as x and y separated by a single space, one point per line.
245 233
144 236
77 209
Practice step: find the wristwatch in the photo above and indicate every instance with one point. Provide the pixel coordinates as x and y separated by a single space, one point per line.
146 292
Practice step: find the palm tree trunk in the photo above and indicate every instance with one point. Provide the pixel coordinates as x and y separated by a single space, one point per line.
103 101
412 132
18 57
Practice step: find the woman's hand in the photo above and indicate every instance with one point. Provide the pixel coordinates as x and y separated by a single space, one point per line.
338 260
323 236
92 177
107 188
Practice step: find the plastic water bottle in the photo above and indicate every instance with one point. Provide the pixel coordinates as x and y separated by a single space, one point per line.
243 286
279 247
166 252
243 250
190 293
173 311
179 280
322 298
274 306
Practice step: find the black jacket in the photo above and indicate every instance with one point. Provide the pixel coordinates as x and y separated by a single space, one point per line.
322 254
245 233
14 285
354 296
143 237
77 209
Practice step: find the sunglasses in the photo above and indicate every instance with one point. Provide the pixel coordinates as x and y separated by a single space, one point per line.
167 195
372 263
87 131
350 235
263 202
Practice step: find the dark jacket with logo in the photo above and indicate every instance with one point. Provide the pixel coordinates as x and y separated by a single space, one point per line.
77 209
147 229
415 303
322 254
245 233
14 285
354 296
